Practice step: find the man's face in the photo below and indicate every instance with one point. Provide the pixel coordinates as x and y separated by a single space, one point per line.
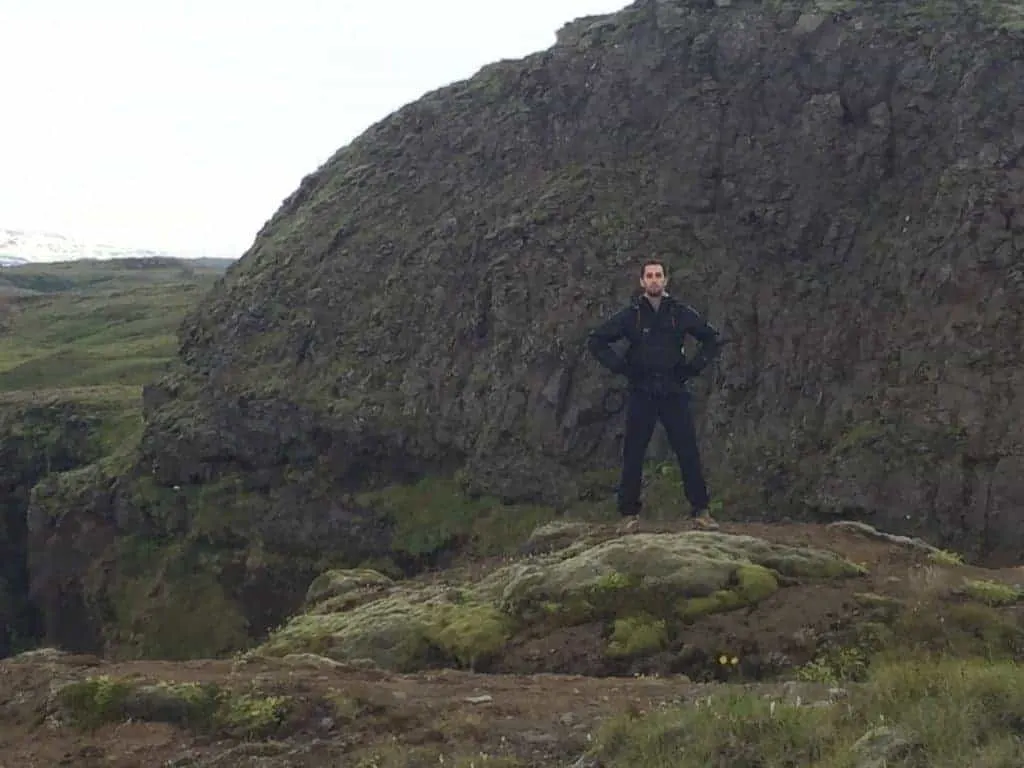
653 280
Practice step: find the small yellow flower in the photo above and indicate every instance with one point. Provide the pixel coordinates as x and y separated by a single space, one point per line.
723 659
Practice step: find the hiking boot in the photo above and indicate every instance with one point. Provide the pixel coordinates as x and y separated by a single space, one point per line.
702 520
630 524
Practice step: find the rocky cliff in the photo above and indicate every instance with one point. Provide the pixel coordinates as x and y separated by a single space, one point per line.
836 186
39 437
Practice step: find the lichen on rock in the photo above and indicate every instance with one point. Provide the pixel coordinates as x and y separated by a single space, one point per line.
642 586
677 576
405 631
338 589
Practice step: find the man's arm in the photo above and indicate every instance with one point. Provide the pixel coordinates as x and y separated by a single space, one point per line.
600 340
708 339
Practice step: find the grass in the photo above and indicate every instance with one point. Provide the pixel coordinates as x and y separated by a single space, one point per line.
93 324
921 712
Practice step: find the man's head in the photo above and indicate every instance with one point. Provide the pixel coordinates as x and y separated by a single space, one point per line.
653 278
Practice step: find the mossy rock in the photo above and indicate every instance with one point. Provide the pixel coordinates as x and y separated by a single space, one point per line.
402 632
643 586
340 589
673 576
201 707
639 635
557 535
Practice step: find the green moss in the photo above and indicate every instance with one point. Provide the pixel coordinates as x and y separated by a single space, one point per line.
390 632
200 707
753 583
163 596
637 636
812 564
88 704
338 589
253 715
669 576
434 514
471 634
403 632
558 535
945 557
189 705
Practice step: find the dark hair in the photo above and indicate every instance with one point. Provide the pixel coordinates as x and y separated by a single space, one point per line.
652 263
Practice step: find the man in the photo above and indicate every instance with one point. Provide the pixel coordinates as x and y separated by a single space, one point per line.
656 368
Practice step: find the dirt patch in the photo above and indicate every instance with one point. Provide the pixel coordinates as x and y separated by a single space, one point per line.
538 719
577 650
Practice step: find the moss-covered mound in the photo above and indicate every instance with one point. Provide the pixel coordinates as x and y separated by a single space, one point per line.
206 708
679 576
644 588
405 630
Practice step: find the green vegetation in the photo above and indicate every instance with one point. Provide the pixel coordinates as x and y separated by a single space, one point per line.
645 589
926 711
678 578
77 342
404 631
90 703
94 324
992 592
434 515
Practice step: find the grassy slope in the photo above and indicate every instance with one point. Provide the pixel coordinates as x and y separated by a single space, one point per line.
92 329
920 712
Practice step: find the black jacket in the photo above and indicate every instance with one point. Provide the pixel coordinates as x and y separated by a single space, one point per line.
655 356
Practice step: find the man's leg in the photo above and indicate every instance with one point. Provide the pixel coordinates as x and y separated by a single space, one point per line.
641 418
682 436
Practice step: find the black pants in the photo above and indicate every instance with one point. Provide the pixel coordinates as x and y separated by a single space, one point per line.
643 411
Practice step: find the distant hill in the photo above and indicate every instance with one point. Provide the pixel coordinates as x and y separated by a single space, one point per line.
94 322
19 246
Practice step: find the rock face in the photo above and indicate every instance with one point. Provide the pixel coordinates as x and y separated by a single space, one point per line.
36 438
837 190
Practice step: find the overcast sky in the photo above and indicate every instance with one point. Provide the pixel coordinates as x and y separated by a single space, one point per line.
183 124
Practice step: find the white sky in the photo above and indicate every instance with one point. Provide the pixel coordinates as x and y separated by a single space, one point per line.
183 124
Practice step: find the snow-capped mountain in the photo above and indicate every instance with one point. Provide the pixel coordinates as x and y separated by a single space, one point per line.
20 247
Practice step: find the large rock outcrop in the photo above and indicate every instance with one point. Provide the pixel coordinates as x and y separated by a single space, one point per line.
837 189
